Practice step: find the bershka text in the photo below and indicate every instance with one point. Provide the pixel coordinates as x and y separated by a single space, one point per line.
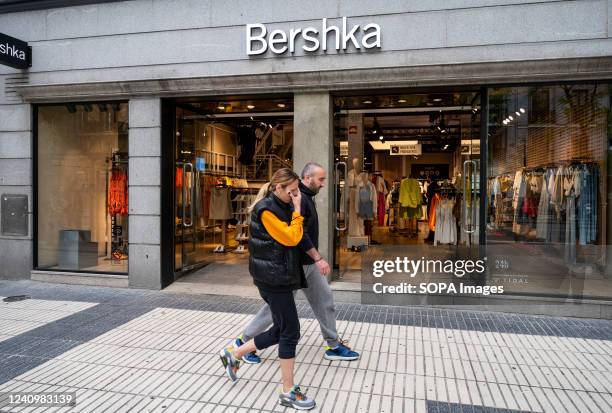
279 41
413 267
12 51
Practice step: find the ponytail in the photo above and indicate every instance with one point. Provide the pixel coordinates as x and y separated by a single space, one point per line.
263 192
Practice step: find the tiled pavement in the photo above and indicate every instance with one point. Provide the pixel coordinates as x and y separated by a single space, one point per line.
133 350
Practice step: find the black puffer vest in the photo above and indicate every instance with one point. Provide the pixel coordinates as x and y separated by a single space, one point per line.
273 266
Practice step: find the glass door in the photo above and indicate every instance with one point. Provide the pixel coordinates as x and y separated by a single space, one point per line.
190 236
407 193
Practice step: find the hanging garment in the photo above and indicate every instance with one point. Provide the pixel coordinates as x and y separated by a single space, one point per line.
220 204
432 211
446 223
179 177
365 203
381 209
118 192
410 193
544 219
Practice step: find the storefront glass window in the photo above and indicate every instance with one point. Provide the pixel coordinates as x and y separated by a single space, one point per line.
548 221
82 184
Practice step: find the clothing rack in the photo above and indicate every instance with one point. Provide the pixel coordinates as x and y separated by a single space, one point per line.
117 250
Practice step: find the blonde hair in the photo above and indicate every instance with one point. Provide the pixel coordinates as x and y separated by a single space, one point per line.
283 176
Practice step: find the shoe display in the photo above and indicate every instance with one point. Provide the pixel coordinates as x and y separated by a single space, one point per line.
340 352
297 399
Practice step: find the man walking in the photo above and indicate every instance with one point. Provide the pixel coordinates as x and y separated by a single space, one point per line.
318 293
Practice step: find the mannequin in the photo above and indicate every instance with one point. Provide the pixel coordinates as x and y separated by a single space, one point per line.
367 200
355 224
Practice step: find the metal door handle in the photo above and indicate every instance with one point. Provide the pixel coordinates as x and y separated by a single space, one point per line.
185 194
465 189
336 201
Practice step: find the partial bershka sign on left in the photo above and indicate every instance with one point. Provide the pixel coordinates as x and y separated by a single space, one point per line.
14 52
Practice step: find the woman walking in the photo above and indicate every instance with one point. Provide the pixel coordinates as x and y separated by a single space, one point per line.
274 263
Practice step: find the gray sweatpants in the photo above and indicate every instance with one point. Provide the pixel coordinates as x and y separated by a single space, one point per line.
321 300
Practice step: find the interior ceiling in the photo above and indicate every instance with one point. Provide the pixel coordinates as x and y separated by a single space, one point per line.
436 120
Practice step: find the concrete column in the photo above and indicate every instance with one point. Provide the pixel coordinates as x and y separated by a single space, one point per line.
313 141
145 193
16 179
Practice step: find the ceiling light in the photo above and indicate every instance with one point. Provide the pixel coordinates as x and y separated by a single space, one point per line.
445 147
367 102
281 105
251 106
522 110
401 101
510 117
381 137
505 121
437 100
375 127
518 113
221 106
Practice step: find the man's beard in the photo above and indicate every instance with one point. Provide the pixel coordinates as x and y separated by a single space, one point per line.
315 190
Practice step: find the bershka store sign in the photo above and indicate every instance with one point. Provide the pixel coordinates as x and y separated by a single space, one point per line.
259 41
14 52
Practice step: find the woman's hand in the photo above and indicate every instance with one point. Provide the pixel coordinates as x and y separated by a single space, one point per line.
297 201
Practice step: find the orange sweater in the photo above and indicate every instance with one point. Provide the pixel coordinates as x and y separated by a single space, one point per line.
288 235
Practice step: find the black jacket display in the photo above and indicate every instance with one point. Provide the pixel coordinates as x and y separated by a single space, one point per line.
273 266
311 225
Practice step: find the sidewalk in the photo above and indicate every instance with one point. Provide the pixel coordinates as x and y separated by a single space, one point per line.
153 351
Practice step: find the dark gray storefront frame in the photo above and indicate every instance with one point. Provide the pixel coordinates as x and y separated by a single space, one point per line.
409 79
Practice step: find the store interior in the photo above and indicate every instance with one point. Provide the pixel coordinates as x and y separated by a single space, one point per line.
403 175
407 183
225 150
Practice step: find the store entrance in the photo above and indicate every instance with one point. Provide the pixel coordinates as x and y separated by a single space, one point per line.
407 180
224 150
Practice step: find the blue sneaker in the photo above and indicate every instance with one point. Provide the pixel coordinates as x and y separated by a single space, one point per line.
250 358
340 352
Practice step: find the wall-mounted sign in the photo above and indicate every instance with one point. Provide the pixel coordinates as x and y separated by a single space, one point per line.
14 52
470 147
278 41
406 149
432 170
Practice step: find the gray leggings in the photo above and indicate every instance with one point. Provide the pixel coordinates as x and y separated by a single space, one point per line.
321 300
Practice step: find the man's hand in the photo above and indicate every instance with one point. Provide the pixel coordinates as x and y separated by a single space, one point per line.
324 267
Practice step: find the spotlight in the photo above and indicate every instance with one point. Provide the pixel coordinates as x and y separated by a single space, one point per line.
375 127
367 102
518 113
221 106
510 117
401 101
522 110
251 107
281 105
